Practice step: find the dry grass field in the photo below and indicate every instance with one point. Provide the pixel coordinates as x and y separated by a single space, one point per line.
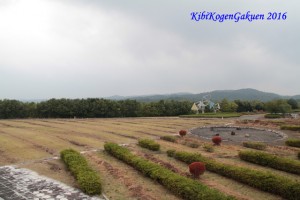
32 143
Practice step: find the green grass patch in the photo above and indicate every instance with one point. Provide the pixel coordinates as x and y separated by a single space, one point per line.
293 142
265 181
179 185
273 116
255 145
269 160
149 144
290 127
212 115
88 179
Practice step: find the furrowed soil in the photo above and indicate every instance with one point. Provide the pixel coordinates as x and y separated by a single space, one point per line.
36 143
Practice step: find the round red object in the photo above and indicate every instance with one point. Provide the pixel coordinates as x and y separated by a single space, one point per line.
182 133
217 140
197 169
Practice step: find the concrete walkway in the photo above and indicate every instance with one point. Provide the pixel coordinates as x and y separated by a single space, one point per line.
23 184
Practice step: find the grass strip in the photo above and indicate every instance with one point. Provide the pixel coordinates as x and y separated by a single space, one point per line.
265 181
88 179
269 160
179 185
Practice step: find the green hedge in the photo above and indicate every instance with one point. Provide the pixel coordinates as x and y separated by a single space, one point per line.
273 116
255 145
88 179
269 160
266 181
212 115
168 138
149 144
181 186
293 142
290 127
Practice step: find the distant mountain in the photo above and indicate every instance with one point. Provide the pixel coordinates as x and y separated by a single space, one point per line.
217 95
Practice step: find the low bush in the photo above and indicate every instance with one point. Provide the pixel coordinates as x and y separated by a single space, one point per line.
293 142
193 144
212 115
208 148
171 152
197 169
149 144
290 127
273 116
269 160
168 138
88 179
266 181
255 145
181 186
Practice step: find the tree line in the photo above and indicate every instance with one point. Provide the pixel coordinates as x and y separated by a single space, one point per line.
274 106
91 108
104 108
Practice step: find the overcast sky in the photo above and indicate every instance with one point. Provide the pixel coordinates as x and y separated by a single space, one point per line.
98 48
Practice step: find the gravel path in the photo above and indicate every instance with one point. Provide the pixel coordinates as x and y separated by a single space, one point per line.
23 184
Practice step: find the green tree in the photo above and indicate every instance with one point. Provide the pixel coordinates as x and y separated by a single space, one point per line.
293 103
278 106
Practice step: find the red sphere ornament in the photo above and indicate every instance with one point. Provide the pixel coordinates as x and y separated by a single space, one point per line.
197 169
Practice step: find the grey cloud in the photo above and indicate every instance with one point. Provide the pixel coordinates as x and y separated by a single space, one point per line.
100 48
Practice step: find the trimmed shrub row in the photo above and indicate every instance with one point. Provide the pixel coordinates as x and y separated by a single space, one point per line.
181 186
269 160
208 147
255 145
265 181
149 144
168 138
88 179
293 142
290 127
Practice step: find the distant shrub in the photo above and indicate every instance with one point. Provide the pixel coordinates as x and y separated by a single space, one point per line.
168 138
192 144
149 144
266 181
255 145
290 127
216 140
88 179
208 148
179 185
293 142
170 152
182 133
273 116
197 169
269 160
